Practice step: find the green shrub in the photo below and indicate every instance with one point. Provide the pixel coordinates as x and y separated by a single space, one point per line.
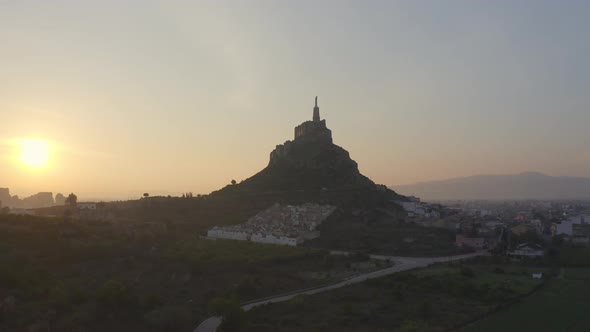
499 270
114 297
467 272
168 318
425 310
409 326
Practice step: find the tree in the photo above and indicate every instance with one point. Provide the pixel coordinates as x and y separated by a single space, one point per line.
233 182
115 297
168 318
425 310
409 326
72 200
467 272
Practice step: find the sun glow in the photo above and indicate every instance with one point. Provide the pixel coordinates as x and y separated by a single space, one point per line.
34 153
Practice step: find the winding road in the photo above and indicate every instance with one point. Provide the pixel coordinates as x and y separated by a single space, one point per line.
400 264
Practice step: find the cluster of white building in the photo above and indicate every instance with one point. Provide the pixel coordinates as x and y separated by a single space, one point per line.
279 224
416 208
576 228
566 227
527 250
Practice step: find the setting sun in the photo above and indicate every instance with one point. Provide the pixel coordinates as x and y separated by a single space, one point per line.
34 153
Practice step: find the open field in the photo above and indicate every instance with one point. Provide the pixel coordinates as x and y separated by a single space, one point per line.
561 305
439 298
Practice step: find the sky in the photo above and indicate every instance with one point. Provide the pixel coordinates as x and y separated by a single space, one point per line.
177 96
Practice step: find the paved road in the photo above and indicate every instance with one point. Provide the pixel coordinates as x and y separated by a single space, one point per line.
401 264
209 324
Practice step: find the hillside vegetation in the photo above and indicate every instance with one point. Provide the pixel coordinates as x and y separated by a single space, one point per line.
82 277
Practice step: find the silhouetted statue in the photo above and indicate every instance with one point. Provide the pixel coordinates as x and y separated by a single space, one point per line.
316 111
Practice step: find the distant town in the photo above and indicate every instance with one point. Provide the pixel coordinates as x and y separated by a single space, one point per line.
482 224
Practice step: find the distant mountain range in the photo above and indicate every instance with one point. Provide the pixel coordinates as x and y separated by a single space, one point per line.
528 185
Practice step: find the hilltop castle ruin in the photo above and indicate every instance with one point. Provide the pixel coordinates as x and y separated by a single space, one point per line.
316 127
309 131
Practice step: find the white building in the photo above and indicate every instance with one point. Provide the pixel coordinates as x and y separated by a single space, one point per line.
409 206
527 250
272 239
86 206
417 208
219 233
413 208
581 219
566 227
23 212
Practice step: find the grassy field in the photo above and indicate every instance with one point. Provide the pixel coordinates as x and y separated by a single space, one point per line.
440 298
561 305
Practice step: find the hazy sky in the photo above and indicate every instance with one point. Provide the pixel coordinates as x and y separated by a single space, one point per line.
161 96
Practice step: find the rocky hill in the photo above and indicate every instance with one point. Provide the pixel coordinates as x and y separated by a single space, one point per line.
311 168
308 169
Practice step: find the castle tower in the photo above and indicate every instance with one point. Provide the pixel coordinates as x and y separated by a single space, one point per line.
314 128
316 111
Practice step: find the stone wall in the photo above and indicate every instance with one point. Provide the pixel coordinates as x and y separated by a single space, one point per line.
219 233
272 239
310 128
280 151
309 132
